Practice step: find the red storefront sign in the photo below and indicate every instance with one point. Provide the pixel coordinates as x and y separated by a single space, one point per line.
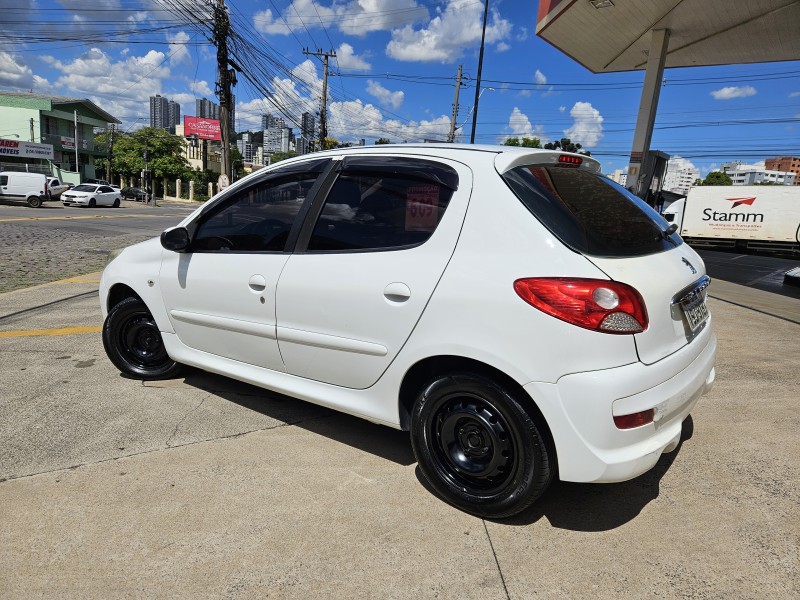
205 129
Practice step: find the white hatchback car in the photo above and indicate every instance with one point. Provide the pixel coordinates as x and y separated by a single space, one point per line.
91 195
518 312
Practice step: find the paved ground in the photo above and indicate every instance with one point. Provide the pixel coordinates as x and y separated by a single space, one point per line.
54 242
202 487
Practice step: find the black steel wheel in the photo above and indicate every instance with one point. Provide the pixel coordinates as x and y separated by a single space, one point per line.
92 203
478 447
133 342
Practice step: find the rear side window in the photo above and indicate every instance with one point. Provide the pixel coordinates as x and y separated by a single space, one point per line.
589 213
3 179
383 204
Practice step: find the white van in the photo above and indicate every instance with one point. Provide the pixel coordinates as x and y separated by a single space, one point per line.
30 187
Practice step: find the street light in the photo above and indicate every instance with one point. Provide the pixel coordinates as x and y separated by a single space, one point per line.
469 112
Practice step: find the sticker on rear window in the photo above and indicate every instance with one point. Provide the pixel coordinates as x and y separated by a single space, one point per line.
422 207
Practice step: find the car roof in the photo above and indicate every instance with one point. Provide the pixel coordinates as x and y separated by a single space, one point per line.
506 157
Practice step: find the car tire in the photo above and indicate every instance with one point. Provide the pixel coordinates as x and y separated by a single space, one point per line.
34 201
92 203
116 202
134 344
478 447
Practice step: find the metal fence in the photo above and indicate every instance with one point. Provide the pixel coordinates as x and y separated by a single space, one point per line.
30 168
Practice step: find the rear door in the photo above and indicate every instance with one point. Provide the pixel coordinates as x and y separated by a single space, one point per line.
628 241
350 296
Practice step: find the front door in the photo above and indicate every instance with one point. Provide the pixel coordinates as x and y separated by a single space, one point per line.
220 296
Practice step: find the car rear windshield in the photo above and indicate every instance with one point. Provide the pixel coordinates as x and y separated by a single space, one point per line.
589 213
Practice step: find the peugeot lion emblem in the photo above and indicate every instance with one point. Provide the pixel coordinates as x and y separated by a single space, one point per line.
688 264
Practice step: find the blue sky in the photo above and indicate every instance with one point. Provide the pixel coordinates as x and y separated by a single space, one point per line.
394 74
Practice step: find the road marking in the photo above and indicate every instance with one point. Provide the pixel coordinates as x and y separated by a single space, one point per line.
52 332
80 279
82 217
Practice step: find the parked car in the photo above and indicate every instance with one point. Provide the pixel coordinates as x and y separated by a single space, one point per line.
91 195
55 188
523 316
134 193
20 185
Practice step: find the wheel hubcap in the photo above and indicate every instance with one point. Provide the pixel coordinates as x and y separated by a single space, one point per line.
474 443
142 341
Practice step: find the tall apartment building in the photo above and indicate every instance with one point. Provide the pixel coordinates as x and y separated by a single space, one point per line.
206 109
678 178
245 147
305 142
164 113
787 164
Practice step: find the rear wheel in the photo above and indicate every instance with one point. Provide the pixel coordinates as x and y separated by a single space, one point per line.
34 201
116 202
133 342
478 447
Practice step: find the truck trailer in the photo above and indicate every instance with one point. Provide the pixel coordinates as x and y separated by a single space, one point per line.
756 217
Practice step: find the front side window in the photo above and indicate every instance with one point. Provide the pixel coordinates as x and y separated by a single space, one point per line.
3 179
373 207
257 218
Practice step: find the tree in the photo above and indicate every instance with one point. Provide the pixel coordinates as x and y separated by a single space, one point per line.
165 156
524 142
566 145
383 141
717 178
279 156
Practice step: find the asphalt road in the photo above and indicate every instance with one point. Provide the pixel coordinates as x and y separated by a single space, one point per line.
759 271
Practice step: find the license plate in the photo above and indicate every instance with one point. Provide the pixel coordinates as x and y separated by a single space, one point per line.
696 312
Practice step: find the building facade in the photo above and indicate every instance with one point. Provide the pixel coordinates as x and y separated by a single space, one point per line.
787 164
61 127
679 178
744 174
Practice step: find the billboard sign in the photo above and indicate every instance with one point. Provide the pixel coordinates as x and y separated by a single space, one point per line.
26 149
205 129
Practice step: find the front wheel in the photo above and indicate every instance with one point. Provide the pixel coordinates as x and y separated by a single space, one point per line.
133 342
34 202
92 203
478 447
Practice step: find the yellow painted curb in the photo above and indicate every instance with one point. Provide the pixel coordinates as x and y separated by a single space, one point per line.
52 332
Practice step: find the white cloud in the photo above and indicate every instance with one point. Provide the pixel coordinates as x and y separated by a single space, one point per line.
587 125
678 163
519 125
201 88
448 35
539 77
727 93
357 17
794 94
347 121
14 73
347 59
384 96
178 50
562 108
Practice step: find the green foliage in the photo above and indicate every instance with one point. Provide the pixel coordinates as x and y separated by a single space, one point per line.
566 145
524 142
383 141
717 178
164 150
279 156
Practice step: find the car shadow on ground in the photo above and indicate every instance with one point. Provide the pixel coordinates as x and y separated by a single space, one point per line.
384 442
573 506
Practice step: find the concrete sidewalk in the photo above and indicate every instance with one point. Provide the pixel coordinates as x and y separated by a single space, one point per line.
202 487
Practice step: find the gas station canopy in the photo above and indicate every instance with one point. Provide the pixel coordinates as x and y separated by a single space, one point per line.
614 35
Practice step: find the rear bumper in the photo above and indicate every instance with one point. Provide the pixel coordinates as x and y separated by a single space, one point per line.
579 409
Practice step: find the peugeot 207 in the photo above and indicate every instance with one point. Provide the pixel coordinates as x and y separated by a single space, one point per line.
522 316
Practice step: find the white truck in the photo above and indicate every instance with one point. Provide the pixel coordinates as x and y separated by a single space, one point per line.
758 217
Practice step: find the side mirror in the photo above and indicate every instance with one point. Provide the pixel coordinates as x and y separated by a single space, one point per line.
175 239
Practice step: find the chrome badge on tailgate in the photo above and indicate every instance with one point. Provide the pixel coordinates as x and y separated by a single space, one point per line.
692 301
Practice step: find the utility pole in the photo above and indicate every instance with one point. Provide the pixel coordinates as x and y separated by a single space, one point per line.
222 27
480 68
323 112
112 129
32 138
452 135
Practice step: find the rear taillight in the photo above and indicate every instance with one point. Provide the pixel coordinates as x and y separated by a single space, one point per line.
601 305
635 420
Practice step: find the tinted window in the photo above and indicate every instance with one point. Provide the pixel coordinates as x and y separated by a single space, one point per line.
369 209
590 213
85 188
255 219
3 179
105 189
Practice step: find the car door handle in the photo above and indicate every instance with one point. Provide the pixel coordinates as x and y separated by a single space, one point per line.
257 283
397 292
